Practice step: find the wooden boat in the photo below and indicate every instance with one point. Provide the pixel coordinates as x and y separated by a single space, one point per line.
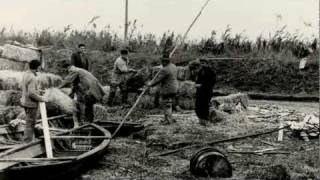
72 151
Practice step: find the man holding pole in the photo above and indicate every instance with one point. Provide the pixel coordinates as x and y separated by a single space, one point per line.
167 78
30 99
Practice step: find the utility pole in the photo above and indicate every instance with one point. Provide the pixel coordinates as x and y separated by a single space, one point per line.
126 25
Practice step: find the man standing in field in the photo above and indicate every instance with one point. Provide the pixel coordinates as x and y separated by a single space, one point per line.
30 99
120 77
205 80
80 59
88 90
167 78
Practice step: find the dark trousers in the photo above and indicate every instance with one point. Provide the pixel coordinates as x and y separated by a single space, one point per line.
31 114
85 110
123 92
203 99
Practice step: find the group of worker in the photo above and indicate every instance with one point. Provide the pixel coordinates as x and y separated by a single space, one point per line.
87 90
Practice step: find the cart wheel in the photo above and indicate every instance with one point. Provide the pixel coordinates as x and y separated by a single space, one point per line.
209 162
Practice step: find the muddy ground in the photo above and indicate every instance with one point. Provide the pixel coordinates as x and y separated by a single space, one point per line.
135 157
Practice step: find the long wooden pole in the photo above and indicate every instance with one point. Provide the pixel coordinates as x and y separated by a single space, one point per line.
319 84
46 133
126 24
221 141
172 52
189 28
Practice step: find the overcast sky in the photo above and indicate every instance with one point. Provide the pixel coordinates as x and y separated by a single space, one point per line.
158 16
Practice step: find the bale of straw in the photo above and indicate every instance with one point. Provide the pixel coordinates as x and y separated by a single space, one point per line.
186 89
52 110
182 73
216 115
6 64
100 112
8 113
231 100
186 103
61 100
19 53
13 79
10 97
48 80
147 102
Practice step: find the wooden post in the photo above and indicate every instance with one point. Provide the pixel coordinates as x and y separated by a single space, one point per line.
46 133
126 25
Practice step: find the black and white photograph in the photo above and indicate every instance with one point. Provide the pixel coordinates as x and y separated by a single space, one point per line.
159 89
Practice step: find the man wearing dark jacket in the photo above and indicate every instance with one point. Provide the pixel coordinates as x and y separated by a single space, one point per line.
167 78
205 80
30 99
87 88
79 59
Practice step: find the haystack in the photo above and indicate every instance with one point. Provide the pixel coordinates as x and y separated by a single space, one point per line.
60 99
10 97
19 53
6 64
13 79
8 113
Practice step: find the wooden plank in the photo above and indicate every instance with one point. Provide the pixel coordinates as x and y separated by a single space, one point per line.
23 152
46 133
38 159
8 147
79 137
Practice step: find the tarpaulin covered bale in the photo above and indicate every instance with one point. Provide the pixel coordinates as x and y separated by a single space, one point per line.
10 97
13 79
6 64
62 100
8 113
19 53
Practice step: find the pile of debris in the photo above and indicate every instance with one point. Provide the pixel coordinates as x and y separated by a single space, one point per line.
303 125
